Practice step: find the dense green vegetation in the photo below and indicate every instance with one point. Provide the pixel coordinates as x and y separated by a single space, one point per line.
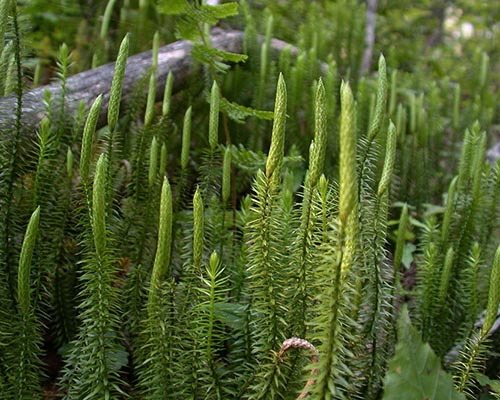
173 253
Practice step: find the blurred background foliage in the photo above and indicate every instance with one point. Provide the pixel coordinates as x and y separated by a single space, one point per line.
423 35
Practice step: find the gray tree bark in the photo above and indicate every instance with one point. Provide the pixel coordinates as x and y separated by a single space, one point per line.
371 14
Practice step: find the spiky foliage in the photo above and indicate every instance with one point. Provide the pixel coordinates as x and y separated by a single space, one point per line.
155 359
117 84
473 355
266 269
332 326
209 330
10 151
400 241
21 342
209 169
162 257
380 318
446 268
308 253
96 356
308 235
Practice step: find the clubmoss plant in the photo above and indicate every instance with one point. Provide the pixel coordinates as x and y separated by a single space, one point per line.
153 162
100 52
186 139
213 125
63 65
268 302
332 327
163 250
88 139
24 275
400 240
198 229
473 355
115 94
306 234
5 62
22 342
167 94
4 12
170 265
95 357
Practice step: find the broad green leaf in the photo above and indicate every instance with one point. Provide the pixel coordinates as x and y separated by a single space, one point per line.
493 384
417 223
408 250
415 372
247 160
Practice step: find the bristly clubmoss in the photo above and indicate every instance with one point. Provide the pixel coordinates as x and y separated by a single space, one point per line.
173 236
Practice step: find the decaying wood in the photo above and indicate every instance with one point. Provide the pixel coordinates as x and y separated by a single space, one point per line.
86 86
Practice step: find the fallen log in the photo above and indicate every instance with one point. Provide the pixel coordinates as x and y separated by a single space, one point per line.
86 86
